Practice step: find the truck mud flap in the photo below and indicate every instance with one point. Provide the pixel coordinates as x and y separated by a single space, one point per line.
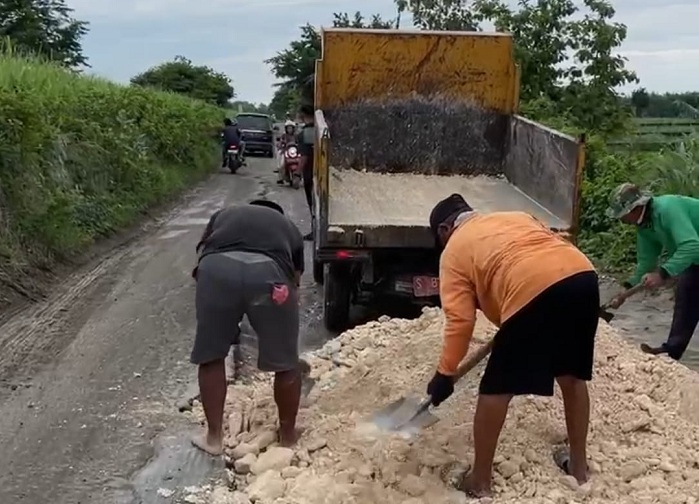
337 296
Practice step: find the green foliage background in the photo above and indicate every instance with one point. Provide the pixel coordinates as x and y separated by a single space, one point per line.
183 77
81 157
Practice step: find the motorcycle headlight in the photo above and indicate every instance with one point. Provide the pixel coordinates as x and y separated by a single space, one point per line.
292 151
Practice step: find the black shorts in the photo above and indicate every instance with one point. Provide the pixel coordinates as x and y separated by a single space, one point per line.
552 336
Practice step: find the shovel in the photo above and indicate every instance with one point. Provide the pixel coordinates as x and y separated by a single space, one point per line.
410 414
606 315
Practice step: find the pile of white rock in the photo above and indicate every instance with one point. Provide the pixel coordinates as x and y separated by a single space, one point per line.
643 448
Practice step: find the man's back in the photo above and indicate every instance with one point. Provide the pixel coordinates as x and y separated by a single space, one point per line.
231 135
667 205
509 258
258 229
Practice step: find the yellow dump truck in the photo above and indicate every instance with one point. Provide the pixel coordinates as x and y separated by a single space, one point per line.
404 119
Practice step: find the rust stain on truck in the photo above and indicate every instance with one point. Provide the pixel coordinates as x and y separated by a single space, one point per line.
358 64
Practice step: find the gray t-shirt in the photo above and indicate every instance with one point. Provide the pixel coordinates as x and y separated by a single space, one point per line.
253 228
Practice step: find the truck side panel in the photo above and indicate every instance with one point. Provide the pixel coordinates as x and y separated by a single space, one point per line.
539 163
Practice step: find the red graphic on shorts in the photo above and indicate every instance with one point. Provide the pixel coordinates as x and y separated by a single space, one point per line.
280 293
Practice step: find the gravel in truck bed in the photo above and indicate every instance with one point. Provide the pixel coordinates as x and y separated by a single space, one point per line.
406 199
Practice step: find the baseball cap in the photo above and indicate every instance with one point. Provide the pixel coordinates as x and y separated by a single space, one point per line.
447 208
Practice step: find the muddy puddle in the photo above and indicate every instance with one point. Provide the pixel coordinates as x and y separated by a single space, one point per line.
647 318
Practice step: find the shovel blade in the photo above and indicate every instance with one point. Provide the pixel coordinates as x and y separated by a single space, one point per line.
605 315
419 422
395 414
403 415
384 416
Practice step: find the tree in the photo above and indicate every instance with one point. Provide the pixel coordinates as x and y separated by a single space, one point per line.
44 27
564 57
181 76
453 15
285 101
669 105
295 65
640 100
245 106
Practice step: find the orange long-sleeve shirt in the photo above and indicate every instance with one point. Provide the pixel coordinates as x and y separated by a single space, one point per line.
497 263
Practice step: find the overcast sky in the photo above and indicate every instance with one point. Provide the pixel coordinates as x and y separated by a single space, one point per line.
235 36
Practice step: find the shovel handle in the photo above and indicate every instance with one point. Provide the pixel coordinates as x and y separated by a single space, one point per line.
633 291
628 293
472 360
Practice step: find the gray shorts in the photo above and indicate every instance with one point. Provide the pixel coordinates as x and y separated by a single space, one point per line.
233 284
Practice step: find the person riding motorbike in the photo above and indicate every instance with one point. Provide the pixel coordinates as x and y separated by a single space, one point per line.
287 138
289 134
231 135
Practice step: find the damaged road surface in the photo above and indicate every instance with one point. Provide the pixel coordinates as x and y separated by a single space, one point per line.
90 379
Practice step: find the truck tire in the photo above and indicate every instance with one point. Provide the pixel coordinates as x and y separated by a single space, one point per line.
318 268
337 291
318 271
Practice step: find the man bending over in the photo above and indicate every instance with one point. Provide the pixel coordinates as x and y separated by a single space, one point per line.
543 295
250 263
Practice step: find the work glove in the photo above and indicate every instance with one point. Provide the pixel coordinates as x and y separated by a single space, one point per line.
440 388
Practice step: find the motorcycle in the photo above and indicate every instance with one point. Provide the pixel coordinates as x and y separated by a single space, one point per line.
290 165
233 158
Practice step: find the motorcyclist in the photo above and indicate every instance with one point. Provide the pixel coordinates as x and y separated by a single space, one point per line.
231 135
287 138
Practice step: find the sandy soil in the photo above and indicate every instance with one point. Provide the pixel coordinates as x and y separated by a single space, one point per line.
643 442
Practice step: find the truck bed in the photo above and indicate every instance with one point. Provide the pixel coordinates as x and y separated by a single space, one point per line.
373 200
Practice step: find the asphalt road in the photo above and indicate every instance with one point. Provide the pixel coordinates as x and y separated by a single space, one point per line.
90 379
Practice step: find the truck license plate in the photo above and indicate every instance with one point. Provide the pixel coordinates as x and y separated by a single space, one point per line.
425 286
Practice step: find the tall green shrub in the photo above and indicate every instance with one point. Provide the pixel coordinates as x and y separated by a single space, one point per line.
81 157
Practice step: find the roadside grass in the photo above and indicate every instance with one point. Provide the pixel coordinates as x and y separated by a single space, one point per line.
81 157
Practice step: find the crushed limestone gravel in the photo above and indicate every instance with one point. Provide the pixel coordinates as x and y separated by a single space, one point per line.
643 445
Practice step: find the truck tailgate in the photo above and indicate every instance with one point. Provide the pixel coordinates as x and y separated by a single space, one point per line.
381 202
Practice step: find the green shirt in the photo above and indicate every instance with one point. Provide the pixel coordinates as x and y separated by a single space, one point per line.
673 228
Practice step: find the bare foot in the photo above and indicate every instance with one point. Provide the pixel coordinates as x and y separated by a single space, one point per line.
472 488
209 444
289 439
562 459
